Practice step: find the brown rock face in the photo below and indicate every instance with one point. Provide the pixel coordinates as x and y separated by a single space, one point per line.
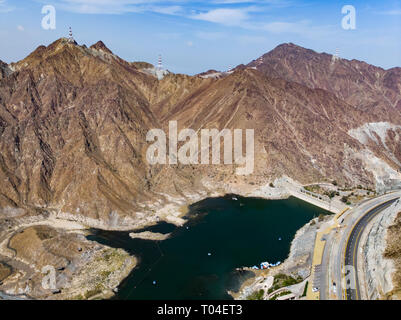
3 69
367 87
74 119
101 46
73 125
393 252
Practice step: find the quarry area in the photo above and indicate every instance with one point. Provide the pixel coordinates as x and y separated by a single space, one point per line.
41 258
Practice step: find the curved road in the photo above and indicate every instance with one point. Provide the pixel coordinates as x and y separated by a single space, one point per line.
351 251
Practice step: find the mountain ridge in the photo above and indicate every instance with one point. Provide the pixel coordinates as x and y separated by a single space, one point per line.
73 125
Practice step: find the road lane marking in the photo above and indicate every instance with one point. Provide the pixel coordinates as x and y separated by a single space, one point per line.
389 202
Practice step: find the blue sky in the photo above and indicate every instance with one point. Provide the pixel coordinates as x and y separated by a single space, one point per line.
194 36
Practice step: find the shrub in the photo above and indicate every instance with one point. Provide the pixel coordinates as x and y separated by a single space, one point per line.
280 295
305 289
330 194
257 295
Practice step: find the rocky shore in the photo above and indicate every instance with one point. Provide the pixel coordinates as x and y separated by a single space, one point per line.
147 235
171 211
174 209
298 263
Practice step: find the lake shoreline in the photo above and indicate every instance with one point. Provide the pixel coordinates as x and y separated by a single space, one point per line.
245 221
181 215
298 262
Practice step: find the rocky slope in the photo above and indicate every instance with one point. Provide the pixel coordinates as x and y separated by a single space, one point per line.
73 125
393 252
378 267
374 91
370 88
4 70
43 262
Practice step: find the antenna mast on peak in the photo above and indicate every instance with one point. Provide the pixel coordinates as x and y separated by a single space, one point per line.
159 63
336 56
70 37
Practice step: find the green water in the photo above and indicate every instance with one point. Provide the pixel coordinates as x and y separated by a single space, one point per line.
238 233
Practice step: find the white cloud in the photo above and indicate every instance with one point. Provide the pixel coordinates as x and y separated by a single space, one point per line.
5 7
250 39
190 43
20 28
172 10
394 12
169 36
210 35
120 6
242 17
215 11
285 27
303 28
228 17
272 2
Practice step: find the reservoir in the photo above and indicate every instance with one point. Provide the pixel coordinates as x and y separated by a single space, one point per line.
199 260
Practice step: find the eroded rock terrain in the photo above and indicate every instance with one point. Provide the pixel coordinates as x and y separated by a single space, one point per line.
43 262
73 127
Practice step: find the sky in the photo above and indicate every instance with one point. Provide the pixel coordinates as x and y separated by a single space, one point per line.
195 36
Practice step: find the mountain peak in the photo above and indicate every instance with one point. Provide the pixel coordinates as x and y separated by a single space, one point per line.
101 46
290 51
288 48
288 45
61 42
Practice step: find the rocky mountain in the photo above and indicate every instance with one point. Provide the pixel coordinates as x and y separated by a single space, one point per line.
370 88
4 70
74 120
373 90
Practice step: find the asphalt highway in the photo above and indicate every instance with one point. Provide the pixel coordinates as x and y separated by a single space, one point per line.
351 252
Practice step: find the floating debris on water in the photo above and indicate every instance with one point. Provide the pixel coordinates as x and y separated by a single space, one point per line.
266 265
